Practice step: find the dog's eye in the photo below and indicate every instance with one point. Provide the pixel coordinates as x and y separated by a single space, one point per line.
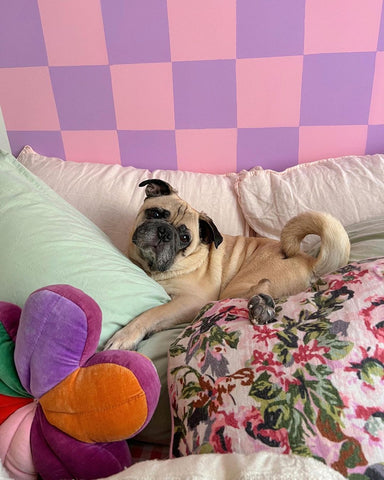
185 238
156 213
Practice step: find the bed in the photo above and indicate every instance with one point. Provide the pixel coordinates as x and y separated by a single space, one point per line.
307 389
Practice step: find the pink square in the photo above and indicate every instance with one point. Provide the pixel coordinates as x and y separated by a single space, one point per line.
206 151
73 32
316 143
376 114
27 99
96 146
202 29
268 91
341 26
143 96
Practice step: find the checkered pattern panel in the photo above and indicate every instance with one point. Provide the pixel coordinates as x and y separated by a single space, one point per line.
202 85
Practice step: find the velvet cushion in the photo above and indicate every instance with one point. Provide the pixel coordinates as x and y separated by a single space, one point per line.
86 404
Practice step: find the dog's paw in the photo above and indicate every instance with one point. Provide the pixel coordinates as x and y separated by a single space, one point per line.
121 341
261 309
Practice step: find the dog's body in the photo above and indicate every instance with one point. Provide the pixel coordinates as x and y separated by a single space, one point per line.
182 249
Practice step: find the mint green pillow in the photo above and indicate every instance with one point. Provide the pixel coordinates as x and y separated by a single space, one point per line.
44 241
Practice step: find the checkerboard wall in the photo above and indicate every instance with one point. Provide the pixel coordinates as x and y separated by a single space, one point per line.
202 85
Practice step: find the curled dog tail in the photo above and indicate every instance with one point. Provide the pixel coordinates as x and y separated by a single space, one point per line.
335 245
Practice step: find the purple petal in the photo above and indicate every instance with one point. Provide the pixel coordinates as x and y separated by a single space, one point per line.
58 456
9 317
59 329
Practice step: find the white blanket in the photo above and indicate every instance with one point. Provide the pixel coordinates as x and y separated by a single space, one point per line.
3 474
233 466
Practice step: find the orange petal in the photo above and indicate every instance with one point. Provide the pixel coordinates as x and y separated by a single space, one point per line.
98 403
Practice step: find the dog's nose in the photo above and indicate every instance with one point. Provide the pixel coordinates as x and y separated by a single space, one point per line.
163 233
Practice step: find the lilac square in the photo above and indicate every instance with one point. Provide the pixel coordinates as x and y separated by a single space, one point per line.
336 88
21 34
270 28
136 31
48 143
273 148
380 45
375 140
152 149
84 97
205 94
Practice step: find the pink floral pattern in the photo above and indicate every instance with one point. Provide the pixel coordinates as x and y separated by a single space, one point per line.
311 383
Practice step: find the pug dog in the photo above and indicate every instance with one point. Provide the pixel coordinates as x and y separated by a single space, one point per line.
183 250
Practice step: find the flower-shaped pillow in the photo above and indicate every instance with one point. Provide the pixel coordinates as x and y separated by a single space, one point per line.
86 404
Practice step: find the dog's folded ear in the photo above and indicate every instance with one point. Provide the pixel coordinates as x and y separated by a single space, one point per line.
156 187
208 231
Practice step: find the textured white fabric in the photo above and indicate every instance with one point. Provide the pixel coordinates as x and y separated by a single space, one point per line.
260 466
109 194
350 188
3 473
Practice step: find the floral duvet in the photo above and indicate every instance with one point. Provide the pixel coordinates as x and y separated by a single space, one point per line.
311 383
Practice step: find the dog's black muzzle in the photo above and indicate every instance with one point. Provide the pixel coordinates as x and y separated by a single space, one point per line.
152 232
157 242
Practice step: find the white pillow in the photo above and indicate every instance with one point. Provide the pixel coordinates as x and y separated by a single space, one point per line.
351 188
109 194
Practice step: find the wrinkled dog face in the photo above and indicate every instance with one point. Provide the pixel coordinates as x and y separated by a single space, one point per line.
158 240
168 229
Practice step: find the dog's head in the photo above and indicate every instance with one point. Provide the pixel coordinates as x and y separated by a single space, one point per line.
168 230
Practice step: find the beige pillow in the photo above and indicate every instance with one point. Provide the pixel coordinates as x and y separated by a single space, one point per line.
351 188
109 194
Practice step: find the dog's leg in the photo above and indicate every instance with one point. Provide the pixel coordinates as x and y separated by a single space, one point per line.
179 310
